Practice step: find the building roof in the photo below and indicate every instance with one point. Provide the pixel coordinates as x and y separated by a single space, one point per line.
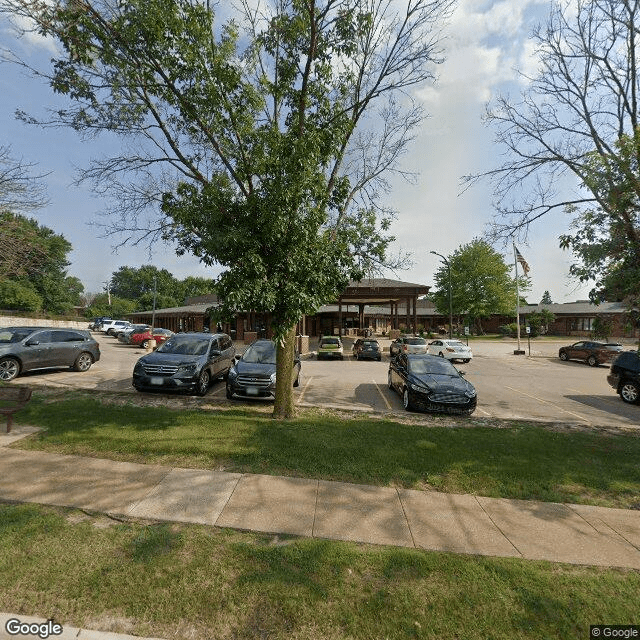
580 307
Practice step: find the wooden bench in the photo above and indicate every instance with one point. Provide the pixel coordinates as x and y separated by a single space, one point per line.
13 399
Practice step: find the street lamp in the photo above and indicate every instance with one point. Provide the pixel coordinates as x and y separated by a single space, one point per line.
450 302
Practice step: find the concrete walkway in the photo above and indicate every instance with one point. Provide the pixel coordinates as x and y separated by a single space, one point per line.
575 534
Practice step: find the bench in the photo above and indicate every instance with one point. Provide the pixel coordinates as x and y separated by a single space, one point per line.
13 399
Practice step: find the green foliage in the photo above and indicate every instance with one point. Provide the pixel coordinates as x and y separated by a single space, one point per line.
606 240
35 257
20 296
118 308
539 322
480 281
546 298
602 327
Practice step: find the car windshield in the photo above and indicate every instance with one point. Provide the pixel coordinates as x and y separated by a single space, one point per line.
188 346
416 341
438 366
8 336
370 343
260 353
326 341
455 343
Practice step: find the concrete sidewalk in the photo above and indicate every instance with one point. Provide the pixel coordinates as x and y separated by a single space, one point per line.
526 529
576 534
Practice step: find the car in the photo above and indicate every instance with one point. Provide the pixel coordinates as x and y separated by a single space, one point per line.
254 373
593 353
407 344
185 362
111 326
624 376
96 322
125 334
431 383
27 348
143 338
330 347
367 348
450 349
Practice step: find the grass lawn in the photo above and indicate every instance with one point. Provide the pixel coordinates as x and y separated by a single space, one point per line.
469 455
202 583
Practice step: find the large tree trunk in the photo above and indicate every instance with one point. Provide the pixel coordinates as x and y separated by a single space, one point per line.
283 407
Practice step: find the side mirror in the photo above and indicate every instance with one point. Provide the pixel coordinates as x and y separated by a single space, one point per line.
215 352
32 343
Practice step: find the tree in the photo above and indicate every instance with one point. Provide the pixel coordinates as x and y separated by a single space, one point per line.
539 321
281 148
35 257
20 191
546 298
480 284
578 118
139 283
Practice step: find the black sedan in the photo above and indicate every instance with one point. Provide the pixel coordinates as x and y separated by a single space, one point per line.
254 374
185 362
367 348
430 383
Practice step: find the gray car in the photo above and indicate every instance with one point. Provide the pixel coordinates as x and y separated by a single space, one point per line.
26 348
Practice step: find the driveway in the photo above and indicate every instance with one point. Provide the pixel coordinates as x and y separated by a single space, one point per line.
535 387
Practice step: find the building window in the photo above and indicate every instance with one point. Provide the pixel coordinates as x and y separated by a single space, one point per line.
582 324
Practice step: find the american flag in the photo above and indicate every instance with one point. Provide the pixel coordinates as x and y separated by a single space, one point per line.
522 261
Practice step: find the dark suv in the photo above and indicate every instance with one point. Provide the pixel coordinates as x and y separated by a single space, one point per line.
185 362
26 348
624 376
254 374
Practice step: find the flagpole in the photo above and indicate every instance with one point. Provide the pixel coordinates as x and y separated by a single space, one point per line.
515 264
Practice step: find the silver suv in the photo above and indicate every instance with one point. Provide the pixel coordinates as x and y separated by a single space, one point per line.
26 348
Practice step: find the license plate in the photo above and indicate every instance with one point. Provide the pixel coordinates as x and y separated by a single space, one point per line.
252 391
157 380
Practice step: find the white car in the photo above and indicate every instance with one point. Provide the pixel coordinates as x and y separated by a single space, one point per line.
450 349
111 327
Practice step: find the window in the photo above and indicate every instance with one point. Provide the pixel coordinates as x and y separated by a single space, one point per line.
582 324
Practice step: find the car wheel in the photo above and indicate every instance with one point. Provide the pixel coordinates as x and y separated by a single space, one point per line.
406 400
145 344
390 381
83 362
592 361
465 360
9 369
296 382
563 356
630 392
379 358
441 354
203 382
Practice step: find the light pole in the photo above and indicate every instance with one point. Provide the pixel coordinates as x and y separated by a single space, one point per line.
435 253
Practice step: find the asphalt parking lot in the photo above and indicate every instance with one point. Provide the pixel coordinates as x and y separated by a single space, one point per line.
532 387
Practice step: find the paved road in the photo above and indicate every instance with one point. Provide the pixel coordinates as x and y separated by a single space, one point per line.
538 387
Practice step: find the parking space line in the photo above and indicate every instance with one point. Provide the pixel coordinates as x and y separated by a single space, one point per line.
382 394
482 411
304 389
555 406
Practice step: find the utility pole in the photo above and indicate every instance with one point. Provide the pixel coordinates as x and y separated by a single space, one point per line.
450 296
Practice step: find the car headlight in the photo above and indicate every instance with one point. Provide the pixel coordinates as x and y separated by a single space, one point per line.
273 378
233 373
416 387
470 393
187 368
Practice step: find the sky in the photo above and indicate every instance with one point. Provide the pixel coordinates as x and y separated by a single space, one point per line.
487 42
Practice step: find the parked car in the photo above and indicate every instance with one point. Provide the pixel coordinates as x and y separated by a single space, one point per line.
367 348
96 322
185 362
624 376
254 373
593 353
27 348
407 344
125 334
142 338
431 383
111 326
330 347
450 349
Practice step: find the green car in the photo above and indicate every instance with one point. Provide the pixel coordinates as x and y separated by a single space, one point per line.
330 347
